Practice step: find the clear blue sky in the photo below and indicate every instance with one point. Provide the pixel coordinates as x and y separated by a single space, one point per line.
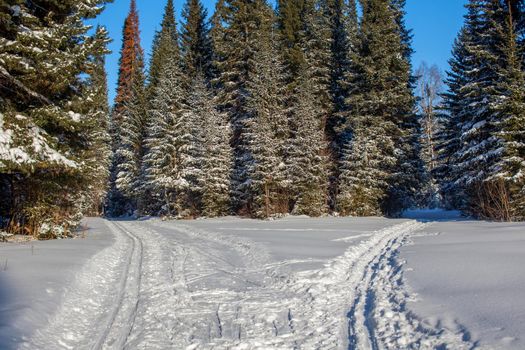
435 24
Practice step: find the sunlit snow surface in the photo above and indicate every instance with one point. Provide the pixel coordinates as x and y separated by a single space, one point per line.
295 283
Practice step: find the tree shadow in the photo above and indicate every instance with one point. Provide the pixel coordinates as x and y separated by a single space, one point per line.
10 337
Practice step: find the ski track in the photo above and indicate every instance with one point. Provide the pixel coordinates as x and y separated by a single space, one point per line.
179 287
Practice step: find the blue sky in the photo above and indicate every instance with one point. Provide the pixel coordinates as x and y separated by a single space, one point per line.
435 24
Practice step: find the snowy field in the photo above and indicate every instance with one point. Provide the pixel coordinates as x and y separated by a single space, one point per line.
430 281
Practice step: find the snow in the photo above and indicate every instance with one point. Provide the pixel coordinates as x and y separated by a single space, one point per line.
430 280
469 275
40 150
36 276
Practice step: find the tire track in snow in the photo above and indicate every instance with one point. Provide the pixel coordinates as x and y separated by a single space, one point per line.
122 317
83 314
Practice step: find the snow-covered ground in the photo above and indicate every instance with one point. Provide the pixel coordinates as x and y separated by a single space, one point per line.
295 283
470 275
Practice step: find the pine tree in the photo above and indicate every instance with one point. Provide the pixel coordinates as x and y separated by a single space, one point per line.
128 121
100 148
306 161
291 26
448 138
160 159
214 162
508 172
381 167
196 42
267 127
235 33
484 149
165 48
45 114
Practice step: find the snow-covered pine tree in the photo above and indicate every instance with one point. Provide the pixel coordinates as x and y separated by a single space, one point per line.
410 174
100 154
504 188
131 148
195 40
450 119
266 129
214 161
44 132
316 43
306 159
380 163
235 33
128 122
159 162
470 106
165 49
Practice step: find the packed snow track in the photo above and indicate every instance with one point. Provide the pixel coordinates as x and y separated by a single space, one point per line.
209 285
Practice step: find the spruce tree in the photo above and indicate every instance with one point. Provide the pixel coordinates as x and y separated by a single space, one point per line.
45 114
266 128
165 47
448 138
508 172
214 161
159 161
100 148
484 147
291 25
195 40
306 161
128 122
381 167
236 24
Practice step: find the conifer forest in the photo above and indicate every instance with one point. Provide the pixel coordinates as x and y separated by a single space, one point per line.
259 109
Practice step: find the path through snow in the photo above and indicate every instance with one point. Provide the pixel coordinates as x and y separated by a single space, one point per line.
171 285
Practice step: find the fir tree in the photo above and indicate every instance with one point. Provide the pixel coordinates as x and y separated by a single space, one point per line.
509 171
267 128
215 159
448 137
160 160
165 48
235 25
128 121
381 165
45 113
100 149
196 42
291 24
306 161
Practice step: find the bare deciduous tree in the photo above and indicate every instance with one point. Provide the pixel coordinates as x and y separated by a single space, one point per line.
429 87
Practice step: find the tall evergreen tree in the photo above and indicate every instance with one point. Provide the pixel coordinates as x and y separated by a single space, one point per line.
100 148
448 137
307 161
128 121
214 159
45 114
236 24
381 166
165 47
485 103
291 24
196 42
266 128
159 161
509 171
